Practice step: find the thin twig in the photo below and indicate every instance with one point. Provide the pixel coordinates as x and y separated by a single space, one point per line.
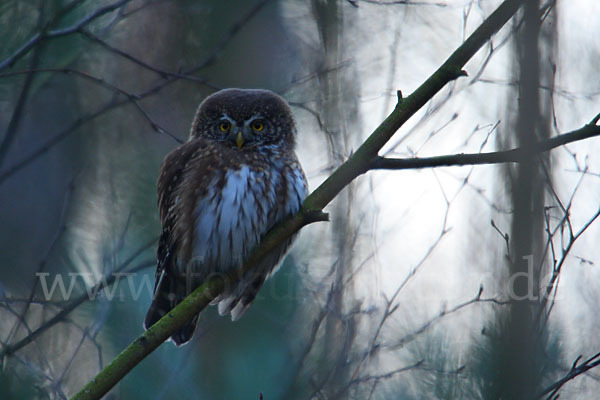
41 36
210 59
575 371
103 283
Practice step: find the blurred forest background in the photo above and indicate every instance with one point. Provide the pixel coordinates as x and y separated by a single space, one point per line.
408 293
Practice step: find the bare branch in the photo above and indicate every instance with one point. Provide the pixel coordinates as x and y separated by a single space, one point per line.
162 73
171 78
575 371
44 261
134 98
41 36
497 157
103 283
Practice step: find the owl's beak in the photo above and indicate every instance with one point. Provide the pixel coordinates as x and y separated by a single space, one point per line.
239 140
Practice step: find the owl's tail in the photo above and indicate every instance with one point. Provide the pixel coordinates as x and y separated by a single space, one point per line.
168 292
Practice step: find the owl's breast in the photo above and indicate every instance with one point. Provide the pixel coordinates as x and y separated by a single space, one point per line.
231 217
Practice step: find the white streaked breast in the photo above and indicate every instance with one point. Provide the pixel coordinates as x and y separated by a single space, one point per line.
230 223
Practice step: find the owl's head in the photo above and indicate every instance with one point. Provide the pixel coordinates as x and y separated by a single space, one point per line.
246 119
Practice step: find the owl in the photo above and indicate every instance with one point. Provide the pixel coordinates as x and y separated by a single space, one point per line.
219 194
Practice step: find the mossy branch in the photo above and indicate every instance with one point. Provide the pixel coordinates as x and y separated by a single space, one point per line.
360 162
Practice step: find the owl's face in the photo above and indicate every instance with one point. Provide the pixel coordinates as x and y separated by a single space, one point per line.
246 119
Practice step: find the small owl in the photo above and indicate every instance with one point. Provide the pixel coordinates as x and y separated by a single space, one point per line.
219 194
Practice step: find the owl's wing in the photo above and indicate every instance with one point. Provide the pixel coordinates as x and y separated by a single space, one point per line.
171 287
169 185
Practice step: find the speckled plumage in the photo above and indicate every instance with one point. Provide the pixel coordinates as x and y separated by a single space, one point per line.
217 198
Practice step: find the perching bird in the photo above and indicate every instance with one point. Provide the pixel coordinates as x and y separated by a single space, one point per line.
219 194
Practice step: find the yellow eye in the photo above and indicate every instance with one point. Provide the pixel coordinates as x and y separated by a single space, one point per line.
224 126
258 126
